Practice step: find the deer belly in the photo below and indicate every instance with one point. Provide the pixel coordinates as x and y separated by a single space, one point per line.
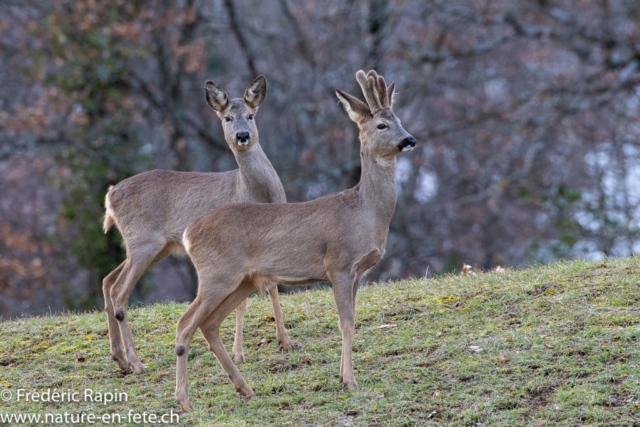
299 274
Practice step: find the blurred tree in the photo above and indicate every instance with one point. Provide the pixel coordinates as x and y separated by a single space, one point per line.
525 115
91 47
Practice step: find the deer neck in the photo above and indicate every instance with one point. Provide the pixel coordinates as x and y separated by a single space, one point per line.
258 176
378 187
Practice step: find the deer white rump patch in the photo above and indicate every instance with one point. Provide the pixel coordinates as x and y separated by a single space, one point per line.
185 241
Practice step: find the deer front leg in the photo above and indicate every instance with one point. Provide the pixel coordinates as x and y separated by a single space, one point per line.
343 293
281 331
238 354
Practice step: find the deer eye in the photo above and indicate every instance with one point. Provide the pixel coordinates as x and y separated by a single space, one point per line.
382 126
250 117
227 119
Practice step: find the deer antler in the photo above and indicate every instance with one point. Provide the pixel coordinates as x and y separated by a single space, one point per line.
374 88
382 91
368 86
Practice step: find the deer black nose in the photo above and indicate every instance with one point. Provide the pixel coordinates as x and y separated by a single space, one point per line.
242 136
407 144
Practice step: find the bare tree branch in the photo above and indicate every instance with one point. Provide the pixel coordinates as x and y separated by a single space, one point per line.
235 28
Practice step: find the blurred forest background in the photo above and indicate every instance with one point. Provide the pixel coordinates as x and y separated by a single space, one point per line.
526 114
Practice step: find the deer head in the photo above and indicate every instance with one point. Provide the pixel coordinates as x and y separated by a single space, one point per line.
238 115
381 133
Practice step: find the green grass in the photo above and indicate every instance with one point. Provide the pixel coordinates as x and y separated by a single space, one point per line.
559 346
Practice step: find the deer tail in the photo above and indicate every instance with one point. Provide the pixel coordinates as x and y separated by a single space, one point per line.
108 216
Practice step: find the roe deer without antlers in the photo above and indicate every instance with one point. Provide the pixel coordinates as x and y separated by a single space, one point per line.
152 210
239 248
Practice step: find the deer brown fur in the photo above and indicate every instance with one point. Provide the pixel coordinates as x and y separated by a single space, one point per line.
153 209
239 248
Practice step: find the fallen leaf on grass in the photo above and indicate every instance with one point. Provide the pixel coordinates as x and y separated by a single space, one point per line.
80 359
499 269
547 345
501 357
387 326
466 269
271 318
475 348
277 366
436 395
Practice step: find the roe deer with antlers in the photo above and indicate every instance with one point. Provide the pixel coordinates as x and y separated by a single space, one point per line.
239 248
153 209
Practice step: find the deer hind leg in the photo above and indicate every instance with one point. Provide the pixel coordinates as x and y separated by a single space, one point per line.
139 261
117 354
211 293
210 328
238 353
281 331
343 293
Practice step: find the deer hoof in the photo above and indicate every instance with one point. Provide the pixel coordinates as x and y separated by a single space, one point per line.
245 391
121 362
238 359
350 385
185 405
137 368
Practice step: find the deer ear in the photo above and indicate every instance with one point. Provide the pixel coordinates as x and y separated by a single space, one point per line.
256 92
216 96
391 93
356 109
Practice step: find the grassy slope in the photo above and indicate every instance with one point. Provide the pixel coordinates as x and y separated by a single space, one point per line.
559 347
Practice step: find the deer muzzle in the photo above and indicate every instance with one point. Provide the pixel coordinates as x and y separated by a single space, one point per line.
407 144
242 138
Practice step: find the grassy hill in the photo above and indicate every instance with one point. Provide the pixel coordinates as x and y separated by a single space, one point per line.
548 345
